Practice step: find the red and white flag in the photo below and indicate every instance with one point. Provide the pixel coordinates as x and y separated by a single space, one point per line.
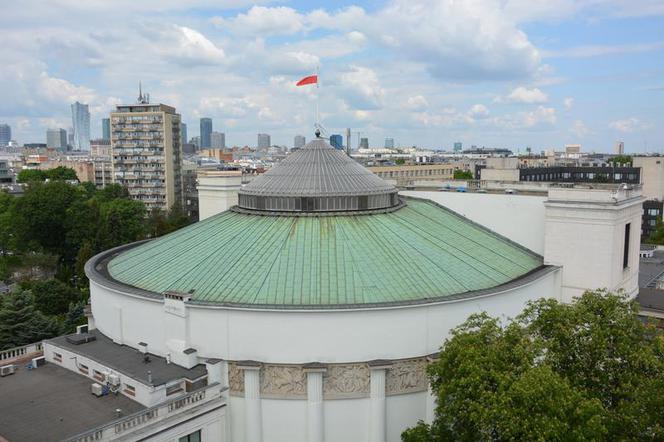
311 79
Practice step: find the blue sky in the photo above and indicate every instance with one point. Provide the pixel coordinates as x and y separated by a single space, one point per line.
495 73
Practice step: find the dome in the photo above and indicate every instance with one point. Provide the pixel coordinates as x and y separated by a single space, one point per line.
419 253
318 178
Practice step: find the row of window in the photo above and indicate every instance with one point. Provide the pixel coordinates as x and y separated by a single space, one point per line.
318 204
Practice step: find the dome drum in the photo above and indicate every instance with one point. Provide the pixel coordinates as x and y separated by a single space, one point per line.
334 203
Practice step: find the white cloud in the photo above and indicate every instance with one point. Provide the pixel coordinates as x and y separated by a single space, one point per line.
628 125
542 116
579 129
568 102
362 88
264 21
529 96
457 39
190 47
478 111
417 103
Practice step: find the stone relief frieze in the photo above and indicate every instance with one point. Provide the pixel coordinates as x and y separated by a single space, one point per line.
340 381
235 379
346 380
406 376
283 381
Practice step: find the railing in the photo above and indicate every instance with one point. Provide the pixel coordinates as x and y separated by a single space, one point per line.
117 428
20 352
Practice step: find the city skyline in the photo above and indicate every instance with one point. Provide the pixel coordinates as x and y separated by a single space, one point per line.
512 74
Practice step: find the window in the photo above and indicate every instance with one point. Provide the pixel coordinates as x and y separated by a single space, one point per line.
57 357
130 390
98 375
626 248
175 388
83 368
193 437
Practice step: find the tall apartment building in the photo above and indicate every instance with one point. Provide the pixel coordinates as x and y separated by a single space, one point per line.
619 148
389 143
263 141
56 138
5 134
206 132
80 117
146 153
218 140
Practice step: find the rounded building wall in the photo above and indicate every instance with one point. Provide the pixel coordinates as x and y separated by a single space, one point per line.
297 336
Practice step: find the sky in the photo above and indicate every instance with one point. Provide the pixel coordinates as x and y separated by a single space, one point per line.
494 73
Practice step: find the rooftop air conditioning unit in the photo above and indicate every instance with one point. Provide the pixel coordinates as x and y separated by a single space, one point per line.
7 370
80 329
38 362
96 389
114 379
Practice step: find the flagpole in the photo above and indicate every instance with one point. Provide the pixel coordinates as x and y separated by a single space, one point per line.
317 97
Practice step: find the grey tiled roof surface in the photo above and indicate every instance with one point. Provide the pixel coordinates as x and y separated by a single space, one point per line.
318 169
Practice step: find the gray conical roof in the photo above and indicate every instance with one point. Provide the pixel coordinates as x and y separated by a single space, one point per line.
318 170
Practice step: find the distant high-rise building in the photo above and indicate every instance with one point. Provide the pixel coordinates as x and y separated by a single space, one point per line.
263 141
218 140
183 134
70 138
80 117
364 143
389 143
196 141
619 148
348 141
146 153
105 128
337 141
572 148
458 146
5 134
56 138
206 133
299 141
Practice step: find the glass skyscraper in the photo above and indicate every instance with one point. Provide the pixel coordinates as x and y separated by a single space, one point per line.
106 128
80 117
337 141
5 134
206 132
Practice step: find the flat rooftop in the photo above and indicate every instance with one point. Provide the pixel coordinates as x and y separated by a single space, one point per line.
650 269
53 403
130 361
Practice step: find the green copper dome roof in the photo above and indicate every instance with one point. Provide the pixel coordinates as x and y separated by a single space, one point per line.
419 253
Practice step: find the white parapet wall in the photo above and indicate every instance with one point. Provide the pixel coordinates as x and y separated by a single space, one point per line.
217 191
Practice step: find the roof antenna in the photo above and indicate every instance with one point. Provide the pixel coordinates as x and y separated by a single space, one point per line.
140 92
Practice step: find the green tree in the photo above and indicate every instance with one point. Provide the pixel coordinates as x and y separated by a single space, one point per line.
620 159
121 222
112 192
399 161
30 175
53 297
20 323
463 174
41 215
583 371
61 173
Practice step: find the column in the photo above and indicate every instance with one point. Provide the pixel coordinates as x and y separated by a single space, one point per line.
253 422
431 395
315 416
377 416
